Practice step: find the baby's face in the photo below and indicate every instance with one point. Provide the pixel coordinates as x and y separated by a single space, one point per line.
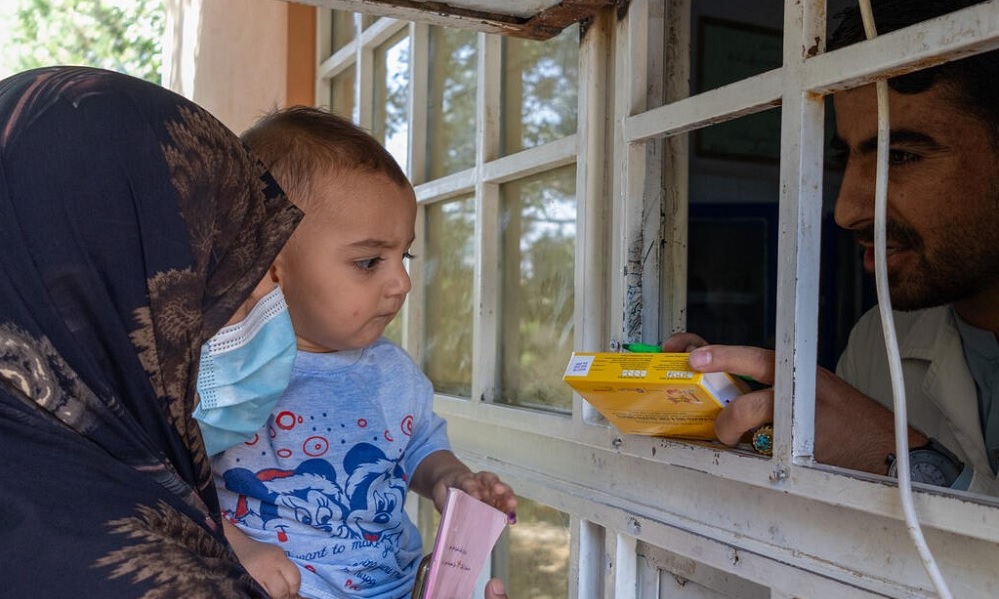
343 272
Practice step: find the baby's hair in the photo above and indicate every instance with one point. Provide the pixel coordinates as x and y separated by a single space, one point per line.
300 142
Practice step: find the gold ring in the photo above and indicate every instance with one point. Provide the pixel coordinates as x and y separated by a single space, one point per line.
763 440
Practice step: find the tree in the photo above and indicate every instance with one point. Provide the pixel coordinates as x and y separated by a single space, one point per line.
120 35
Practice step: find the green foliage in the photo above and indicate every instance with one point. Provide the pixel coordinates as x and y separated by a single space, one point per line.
119 35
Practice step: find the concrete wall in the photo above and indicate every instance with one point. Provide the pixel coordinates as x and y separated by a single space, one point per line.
229 56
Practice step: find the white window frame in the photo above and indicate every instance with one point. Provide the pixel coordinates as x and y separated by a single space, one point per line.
643 507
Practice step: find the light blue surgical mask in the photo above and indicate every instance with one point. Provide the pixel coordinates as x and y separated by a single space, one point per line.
244 369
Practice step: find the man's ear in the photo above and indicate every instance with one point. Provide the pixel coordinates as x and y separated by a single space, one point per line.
273 270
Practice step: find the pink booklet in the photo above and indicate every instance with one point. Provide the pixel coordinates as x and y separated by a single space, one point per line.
465 537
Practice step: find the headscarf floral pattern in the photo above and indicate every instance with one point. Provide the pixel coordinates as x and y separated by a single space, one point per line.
132 224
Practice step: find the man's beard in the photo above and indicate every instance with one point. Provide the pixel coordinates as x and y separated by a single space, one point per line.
964 263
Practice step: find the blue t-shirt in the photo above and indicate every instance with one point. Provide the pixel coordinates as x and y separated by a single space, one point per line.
326 478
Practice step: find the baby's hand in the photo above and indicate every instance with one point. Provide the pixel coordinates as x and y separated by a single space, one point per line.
266 563
488 488
441 470
269 566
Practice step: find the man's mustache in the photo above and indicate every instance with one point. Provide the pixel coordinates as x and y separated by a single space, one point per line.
895 235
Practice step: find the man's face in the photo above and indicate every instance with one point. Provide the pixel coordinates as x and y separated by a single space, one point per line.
943 195
343 271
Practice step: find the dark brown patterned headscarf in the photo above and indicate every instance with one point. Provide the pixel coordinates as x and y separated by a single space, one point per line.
132 225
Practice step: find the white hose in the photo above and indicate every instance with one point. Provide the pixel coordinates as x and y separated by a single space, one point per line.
888 327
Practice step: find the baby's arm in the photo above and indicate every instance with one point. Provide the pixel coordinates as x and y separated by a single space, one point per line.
267 564
442 469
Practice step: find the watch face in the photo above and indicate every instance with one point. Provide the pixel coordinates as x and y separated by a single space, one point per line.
929 474
932 468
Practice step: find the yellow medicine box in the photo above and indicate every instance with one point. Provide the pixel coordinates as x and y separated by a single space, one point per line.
653 393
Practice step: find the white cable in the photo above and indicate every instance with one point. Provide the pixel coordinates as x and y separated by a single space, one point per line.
888 326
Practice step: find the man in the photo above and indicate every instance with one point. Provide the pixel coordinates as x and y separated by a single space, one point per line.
943 270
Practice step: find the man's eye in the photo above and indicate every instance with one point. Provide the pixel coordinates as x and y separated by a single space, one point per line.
367 264
902 157
408 256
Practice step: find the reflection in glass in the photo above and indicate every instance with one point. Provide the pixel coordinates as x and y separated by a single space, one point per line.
391 99
448 270
342 93
539 552
540 80
342 32
538 233
451 109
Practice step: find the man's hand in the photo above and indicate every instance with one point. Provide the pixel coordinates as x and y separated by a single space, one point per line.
746 412
851 430
266 563
683 343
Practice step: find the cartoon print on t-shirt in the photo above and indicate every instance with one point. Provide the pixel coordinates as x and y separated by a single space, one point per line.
363 508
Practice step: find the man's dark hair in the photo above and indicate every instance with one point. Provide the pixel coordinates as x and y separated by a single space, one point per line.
974 81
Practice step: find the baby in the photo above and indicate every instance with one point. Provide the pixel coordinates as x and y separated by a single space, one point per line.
326 478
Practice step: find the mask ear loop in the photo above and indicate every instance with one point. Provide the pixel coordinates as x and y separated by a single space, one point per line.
238 333
888 326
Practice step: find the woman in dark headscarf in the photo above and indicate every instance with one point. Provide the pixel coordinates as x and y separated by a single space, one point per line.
132 226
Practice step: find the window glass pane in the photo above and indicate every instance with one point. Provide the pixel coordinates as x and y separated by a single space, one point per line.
540 81
539 552
734 185
451 109
730 294
394 329
731 50
343 29
391 108
342 93
538 235
448 271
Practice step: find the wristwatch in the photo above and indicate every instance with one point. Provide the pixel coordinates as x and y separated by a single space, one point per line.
931 464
